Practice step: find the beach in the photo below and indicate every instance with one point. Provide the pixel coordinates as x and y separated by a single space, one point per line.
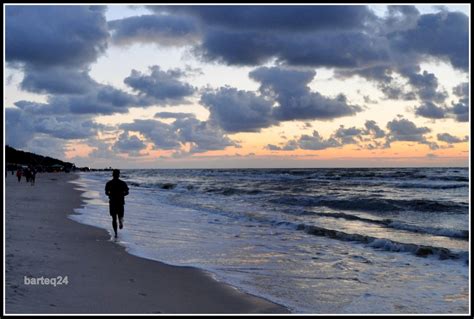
97 276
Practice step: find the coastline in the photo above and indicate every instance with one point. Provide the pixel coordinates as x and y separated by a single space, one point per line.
41 241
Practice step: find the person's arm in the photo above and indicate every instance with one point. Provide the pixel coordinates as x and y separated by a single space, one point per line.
125 190
107 189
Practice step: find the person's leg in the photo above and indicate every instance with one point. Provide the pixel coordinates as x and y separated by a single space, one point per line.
114 224
114 218
120 212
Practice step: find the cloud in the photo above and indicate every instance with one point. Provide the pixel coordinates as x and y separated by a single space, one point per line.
131 145
450 139
347 49
443 35
167 30
173 115
316 142
56 80
348 135
405 130
276 18
163 136
460 110
18 128
295 100
25 123
39 35
237 110
103 99
430 110
160 87
374 129
201 135
425 84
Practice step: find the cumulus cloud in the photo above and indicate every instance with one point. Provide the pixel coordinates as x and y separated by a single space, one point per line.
450 139
430 110
316 142
201 135
173 115
348 135
372 128
41 35
131 145
460 110
167 30
405 130
56 80
23 124
276 18
163 136
425 84
160 87
237 110
443 35
295 100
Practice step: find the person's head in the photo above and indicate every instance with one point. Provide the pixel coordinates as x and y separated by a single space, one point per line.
116 173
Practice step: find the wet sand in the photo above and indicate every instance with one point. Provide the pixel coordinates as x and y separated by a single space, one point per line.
41 242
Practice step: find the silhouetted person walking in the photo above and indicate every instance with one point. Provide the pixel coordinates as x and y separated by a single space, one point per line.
18 174
116 189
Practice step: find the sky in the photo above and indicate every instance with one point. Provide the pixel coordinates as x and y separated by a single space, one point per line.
234 86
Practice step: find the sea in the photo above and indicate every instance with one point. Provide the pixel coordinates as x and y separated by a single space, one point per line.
319 241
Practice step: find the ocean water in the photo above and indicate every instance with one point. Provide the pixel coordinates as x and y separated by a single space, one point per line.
392 240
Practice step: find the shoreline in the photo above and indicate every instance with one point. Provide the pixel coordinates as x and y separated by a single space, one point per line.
101 276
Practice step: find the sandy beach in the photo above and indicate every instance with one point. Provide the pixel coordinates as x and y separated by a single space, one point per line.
42 242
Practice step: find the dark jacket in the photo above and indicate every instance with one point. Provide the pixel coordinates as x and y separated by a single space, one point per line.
116 189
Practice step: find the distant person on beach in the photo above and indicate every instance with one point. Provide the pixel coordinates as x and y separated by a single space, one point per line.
33 176
18 175
27 174
116 189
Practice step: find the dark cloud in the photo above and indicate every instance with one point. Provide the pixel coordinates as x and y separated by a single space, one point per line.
400 17
425 84
202 135
238 111
444 35
461 90
47 35
450 139
277 18
430 110
273 147
165 30
173 115
18 128
346 49
316 142
160 87
295 100
26 123
56 80
131 145
405 130
103 99
163 136
373 129
460 110
348 135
